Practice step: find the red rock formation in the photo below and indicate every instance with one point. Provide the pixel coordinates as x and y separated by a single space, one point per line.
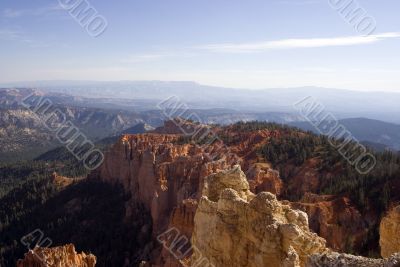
182 219
335 219
262 178
164 174
64 256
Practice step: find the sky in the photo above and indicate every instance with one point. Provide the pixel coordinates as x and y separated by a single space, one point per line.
233 43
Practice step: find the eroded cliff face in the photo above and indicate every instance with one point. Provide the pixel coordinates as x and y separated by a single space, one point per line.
181 221
165 175
64 256
234 227
262 178
158 172
390 233
333 218
164 172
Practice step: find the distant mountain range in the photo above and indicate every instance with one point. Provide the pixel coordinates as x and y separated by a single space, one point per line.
135 94
22 135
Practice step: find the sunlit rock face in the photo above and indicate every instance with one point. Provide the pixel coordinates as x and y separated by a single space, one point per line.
234 227
390 233
64 256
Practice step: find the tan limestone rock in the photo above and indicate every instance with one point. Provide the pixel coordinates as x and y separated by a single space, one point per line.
390 233
240 229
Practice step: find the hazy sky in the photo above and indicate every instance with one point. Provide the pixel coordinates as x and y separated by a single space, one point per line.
235 43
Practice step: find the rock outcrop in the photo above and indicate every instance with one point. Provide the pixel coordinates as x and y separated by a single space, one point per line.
333 218
233 178
390 233
182 220
158 172
262 178
163 176
234 227
64 256
166 173
345 260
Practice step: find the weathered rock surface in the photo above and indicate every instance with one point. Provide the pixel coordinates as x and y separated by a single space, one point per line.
164 176
233 178
345 260
262 178
182 219
64 256
158 172
390 233
333 218
233 227
165 173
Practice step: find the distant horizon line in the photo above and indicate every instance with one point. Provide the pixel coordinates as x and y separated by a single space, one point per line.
25 84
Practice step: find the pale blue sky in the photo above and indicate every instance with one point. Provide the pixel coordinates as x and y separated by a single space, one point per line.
235 43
